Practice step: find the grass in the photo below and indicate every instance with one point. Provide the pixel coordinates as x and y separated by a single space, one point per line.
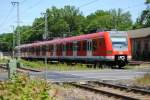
3 60
132 67
56 66
144 80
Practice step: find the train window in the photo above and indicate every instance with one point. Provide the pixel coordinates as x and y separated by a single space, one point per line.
50 48
74 46
59 47
68 46
78 45
71 46
94 44
32 50
64 47
38 50
84 46
21 50
44 50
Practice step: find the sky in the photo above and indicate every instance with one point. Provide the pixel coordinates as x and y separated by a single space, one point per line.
31 9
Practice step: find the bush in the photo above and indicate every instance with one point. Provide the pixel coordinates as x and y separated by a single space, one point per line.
20 87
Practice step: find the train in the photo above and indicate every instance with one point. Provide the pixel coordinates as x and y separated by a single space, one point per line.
111 48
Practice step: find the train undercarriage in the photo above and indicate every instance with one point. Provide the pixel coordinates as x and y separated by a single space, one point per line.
95 63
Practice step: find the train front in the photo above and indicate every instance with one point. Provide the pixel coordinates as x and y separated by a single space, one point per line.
119 45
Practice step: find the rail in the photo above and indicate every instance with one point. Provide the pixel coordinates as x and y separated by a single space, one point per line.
125 93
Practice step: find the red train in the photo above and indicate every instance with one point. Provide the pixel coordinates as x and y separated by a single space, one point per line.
110 47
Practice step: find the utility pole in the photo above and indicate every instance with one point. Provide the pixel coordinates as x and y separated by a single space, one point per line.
18 25
12 26
45 38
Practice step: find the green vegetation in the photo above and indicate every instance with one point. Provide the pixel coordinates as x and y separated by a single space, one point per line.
20 87
144 19
3 60
68 21
56 66
144 81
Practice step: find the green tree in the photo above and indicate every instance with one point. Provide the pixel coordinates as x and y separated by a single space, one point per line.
112 19
144 19
6 42
120 20
71 22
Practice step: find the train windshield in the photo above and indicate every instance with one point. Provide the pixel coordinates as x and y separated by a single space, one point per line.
119 43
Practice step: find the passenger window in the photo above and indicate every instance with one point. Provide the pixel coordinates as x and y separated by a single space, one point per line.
57 47
52 48
94 44
43 49
60 47
64 47
71 46
67 46
84 46
78 45
74 46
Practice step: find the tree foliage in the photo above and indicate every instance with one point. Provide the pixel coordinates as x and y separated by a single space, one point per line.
70 21
6 42
112 19
144 19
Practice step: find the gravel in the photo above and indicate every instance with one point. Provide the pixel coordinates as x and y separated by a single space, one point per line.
78 94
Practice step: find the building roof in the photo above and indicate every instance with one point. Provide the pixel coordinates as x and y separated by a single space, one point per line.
138 33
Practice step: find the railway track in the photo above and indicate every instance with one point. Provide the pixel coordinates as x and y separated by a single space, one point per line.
116 91
138 62
4 66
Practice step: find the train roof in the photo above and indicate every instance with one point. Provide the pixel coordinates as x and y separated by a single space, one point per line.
60 40
67 39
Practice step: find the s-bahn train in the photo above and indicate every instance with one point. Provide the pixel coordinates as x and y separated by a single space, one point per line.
108 47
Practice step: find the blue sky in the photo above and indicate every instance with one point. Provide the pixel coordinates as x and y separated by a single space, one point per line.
30 9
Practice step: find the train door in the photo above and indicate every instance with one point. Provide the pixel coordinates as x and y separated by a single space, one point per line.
74 49
89 48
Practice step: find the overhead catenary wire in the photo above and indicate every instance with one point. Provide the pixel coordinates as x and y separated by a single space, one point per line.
78 7
86 4
32 6
7 17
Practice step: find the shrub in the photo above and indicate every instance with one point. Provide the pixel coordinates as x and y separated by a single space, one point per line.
20 87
